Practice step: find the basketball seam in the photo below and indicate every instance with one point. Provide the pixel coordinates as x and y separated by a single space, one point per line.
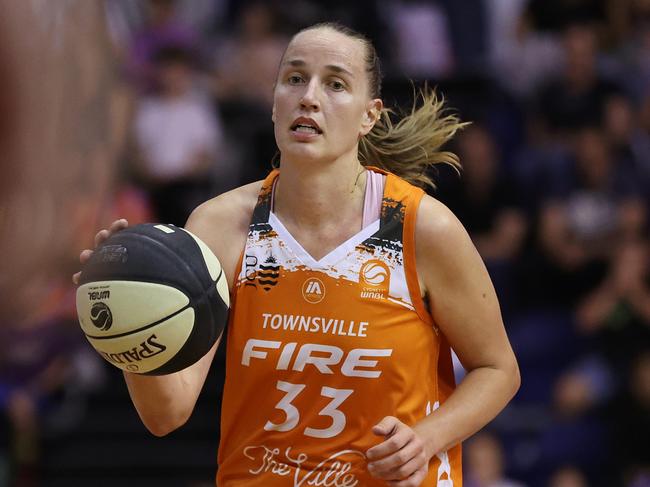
119 335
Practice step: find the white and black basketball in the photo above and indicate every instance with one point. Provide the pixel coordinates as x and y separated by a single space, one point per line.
152 299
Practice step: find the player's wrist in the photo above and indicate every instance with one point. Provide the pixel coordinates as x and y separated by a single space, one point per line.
426 431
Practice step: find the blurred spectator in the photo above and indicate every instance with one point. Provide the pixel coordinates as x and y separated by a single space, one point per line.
643 148
576 432
202 15
468 33
520 55
577 228
247 63
176 136
162 28
577 97
618 310
629 143
641 43
485 201
633 42
245 70
568 477
630 420
484 463
128 20
421 39
587 385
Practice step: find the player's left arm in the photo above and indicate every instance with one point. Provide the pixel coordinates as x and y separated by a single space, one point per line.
464 306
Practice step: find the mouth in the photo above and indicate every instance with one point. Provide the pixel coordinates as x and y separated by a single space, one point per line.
304 125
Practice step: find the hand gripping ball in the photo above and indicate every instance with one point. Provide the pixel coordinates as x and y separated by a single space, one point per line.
153 299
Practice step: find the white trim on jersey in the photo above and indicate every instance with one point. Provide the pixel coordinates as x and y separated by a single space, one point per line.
330 259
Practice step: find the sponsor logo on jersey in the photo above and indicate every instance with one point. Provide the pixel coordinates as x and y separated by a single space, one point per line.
313 290
374 277
269 273
250 268
333 471
266 274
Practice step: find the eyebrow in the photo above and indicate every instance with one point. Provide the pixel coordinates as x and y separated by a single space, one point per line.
299 63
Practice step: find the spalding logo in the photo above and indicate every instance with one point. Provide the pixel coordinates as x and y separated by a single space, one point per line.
101 316
374 273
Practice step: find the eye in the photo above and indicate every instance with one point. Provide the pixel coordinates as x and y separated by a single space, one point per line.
294 79
337 85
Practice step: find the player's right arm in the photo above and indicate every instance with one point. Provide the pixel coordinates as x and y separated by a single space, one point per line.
164 403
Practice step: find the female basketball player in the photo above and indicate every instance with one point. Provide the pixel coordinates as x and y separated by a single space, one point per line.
349 286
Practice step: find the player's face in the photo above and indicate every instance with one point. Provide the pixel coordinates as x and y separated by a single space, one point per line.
321 103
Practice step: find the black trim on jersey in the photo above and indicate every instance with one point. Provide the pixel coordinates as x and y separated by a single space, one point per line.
391 227
262 208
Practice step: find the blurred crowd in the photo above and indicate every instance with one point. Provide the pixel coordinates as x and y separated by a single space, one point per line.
555 193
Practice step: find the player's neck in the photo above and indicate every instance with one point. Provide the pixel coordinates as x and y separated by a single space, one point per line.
313 196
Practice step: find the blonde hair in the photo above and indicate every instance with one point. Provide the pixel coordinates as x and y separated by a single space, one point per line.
406 144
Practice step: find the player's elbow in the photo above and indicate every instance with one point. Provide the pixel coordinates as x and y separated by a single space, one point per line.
161 425
514 376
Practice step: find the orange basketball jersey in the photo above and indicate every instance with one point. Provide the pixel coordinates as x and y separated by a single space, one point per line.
320 351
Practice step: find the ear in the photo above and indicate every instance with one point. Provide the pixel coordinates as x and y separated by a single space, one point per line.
371 115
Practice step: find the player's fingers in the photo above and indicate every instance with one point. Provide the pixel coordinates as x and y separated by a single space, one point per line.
386 426
414 480
101 236
118 225
85 255
83 258
406 470
384 467
399 438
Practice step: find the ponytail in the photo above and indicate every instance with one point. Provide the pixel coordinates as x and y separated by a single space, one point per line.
410 145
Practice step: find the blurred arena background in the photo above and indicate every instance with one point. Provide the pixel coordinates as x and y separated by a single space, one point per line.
142 109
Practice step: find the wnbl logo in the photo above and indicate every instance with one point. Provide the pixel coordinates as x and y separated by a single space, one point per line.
374 276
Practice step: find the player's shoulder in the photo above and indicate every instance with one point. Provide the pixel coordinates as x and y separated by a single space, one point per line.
437 230
222 223
230 211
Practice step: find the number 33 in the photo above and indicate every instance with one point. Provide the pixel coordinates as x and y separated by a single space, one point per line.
293 415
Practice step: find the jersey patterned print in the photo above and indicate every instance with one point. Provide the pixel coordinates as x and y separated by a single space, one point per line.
320 351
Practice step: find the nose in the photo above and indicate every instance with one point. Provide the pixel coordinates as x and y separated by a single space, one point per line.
309 99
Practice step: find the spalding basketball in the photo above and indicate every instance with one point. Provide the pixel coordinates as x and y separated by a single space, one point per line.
152 299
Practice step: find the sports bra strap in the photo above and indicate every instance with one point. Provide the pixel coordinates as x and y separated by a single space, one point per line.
373 198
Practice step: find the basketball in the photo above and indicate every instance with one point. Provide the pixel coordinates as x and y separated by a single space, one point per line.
152 299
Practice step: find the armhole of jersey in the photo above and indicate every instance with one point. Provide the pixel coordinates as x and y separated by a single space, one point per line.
410 267
235 288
